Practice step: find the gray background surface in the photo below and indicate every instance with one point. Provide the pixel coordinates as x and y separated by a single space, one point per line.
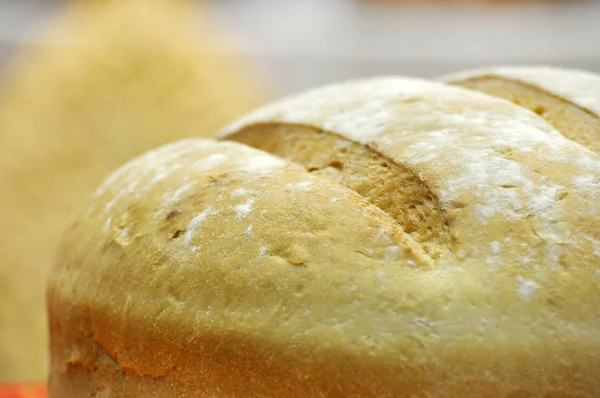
302 43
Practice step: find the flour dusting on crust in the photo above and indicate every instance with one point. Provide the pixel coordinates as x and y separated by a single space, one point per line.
477 153
577 86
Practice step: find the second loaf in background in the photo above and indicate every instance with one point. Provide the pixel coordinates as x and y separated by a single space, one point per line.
111 80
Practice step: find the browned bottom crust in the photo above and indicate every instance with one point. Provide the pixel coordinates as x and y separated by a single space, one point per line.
234 365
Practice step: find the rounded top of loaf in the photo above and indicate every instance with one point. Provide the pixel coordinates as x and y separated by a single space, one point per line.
580 87
221 260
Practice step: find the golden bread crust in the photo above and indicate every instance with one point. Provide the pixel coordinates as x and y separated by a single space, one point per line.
209 268
567 98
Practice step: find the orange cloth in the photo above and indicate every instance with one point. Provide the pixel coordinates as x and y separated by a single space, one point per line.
26 390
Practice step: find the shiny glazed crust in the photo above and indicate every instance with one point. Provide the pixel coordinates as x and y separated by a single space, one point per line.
215 268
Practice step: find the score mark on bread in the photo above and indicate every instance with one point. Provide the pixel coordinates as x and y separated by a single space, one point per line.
388 185
569 99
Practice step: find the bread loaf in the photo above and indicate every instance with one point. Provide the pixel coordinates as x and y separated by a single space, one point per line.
112 81
384 237
569 99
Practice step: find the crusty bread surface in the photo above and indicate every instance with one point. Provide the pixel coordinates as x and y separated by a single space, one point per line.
569 99
382 237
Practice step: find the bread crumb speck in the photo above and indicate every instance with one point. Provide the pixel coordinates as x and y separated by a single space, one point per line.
595 246
303 186
211 161
525 287
242 210
391 253
382 234
109 205
193 225
159 177
179 193
495 246
241 192
263 164
552 255
262 251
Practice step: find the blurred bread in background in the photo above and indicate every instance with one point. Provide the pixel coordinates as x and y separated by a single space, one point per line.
112 80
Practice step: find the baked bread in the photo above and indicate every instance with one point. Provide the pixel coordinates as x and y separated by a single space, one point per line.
112 81
567 98
384 237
